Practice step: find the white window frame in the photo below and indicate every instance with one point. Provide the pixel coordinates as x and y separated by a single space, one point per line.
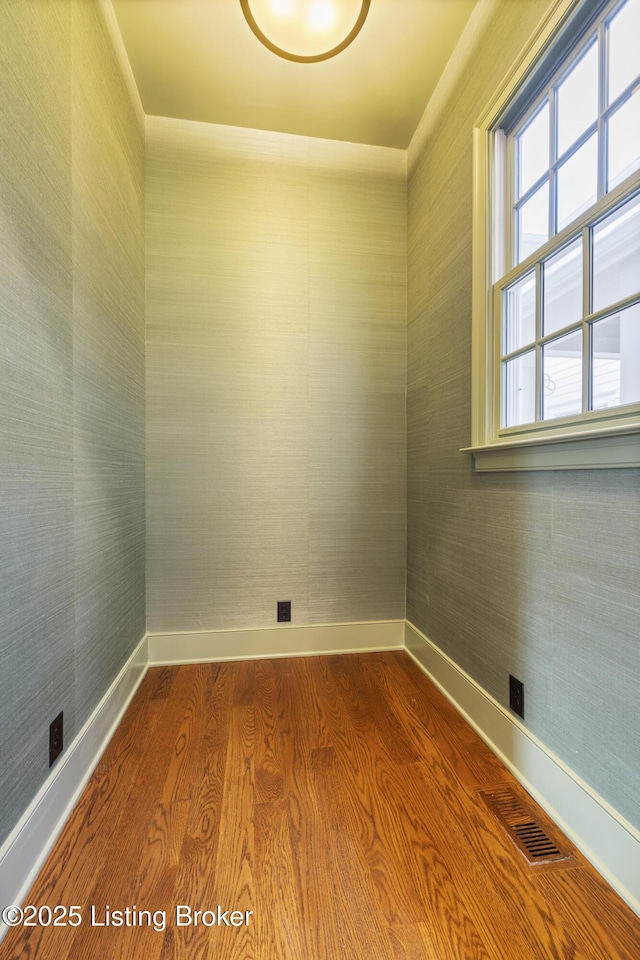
596 440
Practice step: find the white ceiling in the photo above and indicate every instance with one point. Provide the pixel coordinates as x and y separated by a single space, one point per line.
198 60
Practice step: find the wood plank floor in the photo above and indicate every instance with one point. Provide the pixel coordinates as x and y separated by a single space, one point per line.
333 803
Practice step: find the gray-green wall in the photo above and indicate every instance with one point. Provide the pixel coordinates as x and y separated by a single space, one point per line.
72 604
276 352
535 574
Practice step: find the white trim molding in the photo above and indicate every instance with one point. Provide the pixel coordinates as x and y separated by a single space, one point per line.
577 452
606 839
110 20
204 646
24 851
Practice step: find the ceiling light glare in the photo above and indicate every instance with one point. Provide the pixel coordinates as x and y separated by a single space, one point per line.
322 15
282 8
306 31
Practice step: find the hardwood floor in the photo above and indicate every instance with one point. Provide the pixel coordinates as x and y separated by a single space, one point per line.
333 803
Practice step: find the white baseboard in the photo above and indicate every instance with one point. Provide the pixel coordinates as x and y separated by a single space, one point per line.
610 842
205 646
27 846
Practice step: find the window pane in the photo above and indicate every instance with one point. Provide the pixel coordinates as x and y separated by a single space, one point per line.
578 182
562 377
624 141
533 150
520 327
578 100
533 223
616 255
615 352
562 288
520 390
624 49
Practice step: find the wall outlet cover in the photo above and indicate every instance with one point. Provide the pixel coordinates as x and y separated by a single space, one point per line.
516 695
56 739
284 611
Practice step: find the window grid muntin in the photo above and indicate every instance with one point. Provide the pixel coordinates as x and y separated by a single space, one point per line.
539 354
603 73
588 411
598 126
558 240
553 173
522 130
562 159
555 161
587 304
580 52
626 95
573 331
576 147
606 21
585 324
597 33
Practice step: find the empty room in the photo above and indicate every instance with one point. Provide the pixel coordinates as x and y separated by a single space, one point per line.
320 479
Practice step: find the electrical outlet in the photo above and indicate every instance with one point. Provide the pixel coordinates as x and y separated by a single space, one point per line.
55 738
516 696
284 611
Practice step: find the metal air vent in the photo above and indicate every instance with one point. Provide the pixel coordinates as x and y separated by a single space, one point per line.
523 827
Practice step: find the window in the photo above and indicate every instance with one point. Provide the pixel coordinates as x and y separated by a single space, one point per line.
557 249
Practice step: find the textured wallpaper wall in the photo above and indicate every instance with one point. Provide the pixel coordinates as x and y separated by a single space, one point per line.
108 360
533 574
276 297
71 380
36 395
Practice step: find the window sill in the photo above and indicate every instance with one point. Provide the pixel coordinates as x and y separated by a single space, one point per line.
596 451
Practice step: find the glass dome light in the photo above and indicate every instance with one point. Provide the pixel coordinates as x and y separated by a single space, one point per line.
306 31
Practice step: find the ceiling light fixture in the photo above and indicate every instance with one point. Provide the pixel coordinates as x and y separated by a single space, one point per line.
306 31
